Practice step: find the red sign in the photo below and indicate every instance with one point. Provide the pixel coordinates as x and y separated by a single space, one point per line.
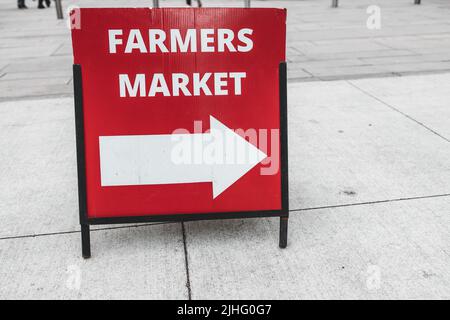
181 109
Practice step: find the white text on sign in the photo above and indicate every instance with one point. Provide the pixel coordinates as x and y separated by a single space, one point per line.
211 40
179 84
176 84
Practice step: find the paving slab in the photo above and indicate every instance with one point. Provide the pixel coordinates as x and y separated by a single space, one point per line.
342 46
397 250
327 64
62 75
38 181
346 146
64 49
300 74
137 263
32 88
318 35
403 59
345 72
415 42
15 53
381 142
361 54
50 63
414 68
3 65
424 98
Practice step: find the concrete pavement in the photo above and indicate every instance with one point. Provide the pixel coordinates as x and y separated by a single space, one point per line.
369 194
369 175
323 43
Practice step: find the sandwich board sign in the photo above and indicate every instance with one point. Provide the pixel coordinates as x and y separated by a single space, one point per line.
180 115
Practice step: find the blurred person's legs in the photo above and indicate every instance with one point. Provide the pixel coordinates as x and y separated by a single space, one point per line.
189 3
41 4
21 4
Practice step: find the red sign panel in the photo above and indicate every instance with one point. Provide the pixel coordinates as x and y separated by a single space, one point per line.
181 109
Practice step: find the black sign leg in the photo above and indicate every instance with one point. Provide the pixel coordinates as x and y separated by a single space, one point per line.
81 165
85 241
283 231
284 155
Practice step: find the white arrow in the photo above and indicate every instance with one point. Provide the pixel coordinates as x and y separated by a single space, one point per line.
174 158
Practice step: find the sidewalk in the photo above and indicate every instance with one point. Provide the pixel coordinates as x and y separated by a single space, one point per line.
323 43
369 182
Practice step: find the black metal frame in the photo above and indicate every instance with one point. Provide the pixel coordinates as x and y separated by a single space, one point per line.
81 167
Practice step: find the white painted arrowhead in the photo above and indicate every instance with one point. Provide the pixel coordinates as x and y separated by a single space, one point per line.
147 159
226 174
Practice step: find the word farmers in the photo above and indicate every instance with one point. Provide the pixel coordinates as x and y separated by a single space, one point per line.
208 84
175 40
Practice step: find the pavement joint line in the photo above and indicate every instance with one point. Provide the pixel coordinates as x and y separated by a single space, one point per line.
57 49
365 76
186 263
184 235
37 97
312 58
315 59
365 37
371 202
399 111
77 231
36 78
41 35
306 71
4 67
377 41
